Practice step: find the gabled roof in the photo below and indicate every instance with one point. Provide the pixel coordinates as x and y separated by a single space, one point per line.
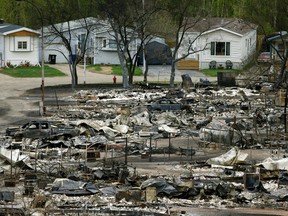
233 25
74 24
7 28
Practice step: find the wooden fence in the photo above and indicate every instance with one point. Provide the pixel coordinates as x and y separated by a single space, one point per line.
188 65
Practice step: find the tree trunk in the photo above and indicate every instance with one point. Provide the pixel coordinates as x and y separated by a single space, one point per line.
125 71
130 78
73 72
145 73
285 107
172 75
145 67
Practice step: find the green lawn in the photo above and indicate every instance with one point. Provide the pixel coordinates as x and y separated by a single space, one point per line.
213 72
33 71
96 68
116 69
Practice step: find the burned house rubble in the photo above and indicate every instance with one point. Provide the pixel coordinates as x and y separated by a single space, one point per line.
148 151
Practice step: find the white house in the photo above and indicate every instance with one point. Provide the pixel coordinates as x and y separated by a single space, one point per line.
101 47
221 39
75 32
18 45
105 49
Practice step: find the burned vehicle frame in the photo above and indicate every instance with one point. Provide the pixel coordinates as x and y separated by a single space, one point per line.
43 130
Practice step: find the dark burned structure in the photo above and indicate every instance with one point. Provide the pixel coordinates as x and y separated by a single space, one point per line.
42 130
132 155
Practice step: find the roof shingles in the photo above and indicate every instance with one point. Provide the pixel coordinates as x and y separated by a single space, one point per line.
6 27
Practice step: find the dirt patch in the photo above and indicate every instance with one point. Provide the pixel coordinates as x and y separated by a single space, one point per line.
106 70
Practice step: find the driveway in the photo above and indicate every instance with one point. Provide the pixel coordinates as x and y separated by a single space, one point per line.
162 73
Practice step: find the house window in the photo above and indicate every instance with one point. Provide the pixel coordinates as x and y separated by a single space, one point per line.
81 40
22 45
104 43
220 48
109 44
112 44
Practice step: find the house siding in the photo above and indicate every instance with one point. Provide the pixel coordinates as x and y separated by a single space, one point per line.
220 36
2 53
242 39
51 50
16 57
94 49
239 52
106 57
54 45
249 44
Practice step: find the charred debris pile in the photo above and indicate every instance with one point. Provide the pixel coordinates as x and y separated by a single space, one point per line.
148 151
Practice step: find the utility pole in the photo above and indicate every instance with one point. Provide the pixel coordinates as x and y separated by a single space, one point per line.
143 45
42 105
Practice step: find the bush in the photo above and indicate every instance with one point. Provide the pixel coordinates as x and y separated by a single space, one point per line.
25 64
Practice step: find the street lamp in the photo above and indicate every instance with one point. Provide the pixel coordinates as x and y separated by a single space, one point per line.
42 107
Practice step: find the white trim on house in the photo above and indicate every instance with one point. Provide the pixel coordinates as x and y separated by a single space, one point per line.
223 29
21 29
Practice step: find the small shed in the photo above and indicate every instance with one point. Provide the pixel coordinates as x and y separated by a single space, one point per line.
157 53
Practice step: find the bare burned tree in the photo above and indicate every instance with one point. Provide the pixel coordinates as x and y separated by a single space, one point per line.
180 13
65 33
69 18
128 20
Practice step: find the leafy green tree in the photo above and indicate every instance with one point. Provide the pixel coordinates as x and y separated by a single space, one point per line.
10 11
